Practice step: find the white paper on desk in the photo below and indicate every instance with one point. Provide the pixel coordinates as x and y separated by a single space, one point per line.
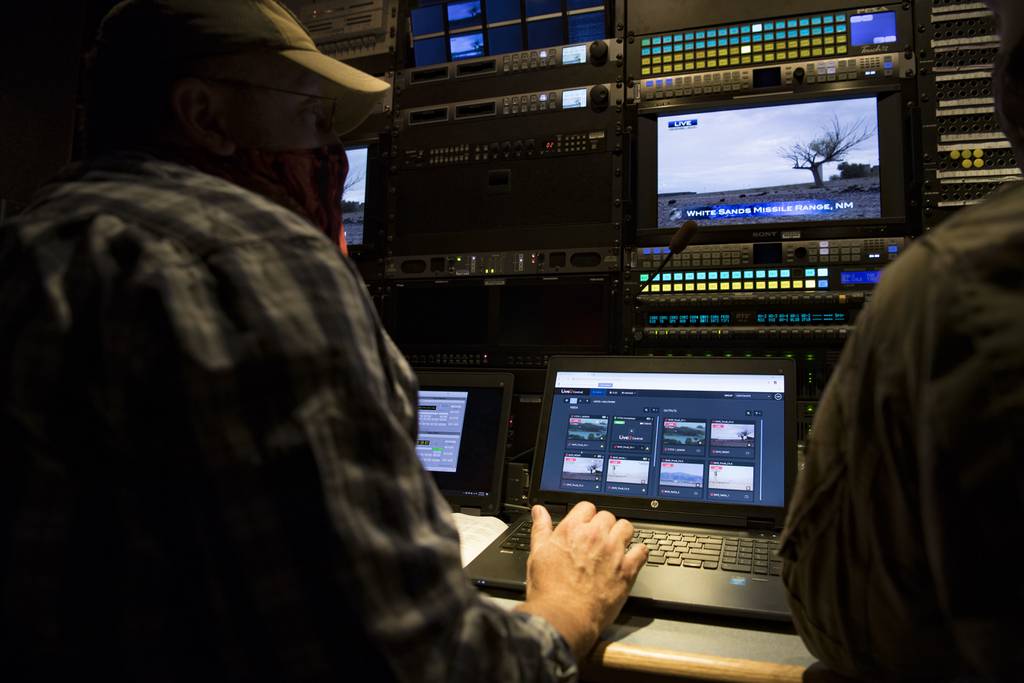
476 533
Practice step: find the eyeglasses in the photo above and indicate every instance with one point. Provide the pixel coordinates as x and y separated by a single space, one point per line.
325 105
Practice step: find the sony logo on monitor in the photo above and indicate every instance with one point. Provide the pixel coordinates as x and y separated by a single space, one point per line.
766 233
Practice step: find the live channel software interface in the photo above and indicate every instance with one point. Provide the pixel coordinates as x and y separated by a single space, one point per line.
458 436
687 437
353 197
789 163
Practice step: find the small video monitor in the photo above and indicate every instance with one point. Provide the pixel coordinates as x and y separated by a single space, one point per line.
502 10
584 28
574 54
505 39
544 33
467 45
429 51
537 8
427 20
809 161
878 28
574 99
464 14
353 198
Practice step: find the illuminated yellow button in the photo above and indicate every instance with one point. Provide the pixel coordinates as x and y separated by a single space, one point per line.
841 49
773 285
713 286
758 59
805 42
784 284
734 50
830 40
979 163
679 58
797 284
815 41
955 154
645 72
809 284
748 285
967 163
701 54
841 38
760 284
712 63
793 54
979 153
733 61
657 60
711 53
770 57
701 287
725 287
830 50
645 61
700 64
677 288
656 69
688 56
805 53
794 43
689 287
781 45
816 52
689 66
759 47
655 288
745 59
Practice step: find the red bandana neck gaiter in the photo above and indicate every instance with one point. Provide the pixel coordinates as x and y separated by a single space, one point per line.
307 181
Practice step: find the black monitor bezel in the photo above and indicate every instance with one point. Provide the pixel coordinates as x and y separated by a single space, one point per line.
893 161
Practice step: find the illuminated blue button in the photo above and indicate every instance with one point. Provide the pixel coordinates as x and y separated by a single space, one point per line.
689 36
736 275
724 275
657 50
660 82
747 274
893 248
830 29
785 272
657 41
840 28
805 22
722 33
816 31
678 47
649 84
646 51
688 46
678 277
809 272
758 37
769 36
822 272
712 43
816 21
828 18
734 41
689 276
746 39
700 34
734 31
647 252
760 275
713 275
745 29
645 41
678 37
773 273
840 17
792 34
823 284
700 44
804 32
791 23
644 277
702 276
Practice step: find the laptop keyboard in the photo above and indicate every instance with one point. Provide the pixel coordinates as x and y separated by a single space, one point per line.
692 551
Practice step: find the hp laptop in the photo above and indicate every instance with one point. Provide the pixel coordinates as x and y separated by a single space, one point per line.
700 454
463 425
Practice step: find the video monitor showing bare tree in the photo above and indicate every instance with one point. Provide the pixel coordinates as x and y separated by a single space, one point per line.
353 197
793 163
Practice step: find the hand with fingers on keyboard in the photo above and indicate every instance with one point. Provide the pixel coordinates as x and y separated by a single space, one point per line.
580 572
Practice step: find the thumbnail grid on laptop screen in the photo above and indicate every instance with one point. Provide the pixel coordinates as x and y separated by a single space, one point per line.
689 437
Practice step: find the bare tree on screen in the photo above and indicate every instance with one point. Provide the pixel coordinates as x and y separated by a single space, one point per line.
833 144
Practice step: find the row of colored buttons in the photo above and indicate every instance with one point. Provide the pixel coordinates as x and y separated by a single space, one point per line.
740 30
734 275
748 41
740 286
690 55
766 58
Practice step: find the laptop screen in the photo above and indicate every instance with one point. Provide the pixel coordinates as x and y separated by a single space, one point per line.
714 438
458 437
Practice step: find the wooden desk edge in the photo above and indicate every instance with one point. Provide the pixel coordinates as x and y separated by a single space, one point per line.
618 656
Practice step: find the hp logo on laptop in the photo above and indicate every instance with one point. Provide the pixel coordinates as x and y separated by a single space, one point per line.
654 504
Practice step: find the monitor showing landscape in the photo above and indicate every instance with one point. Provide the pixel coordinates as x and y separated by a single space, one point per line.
791 163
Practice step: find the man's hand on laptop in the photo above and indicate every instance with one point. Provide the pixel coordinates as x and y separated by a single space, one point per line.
578 575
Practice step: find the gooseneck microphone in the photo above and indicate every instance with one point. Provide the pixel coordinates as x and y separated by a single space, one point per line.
684 235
